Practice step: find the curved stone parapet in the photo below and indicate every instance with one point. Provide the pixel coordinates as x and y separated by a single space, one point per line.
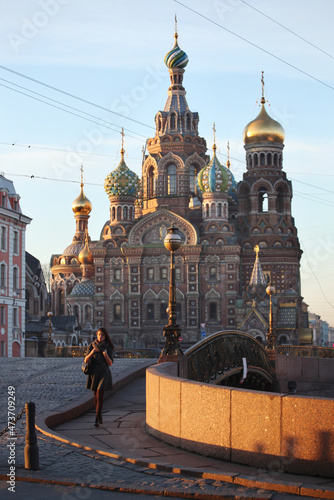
279 432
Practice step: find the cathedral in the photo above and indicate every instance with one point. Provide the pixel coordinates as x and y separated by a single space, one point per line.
236 238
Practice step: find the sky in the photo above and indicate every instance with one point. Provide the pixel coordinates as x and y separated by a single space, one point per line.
111 54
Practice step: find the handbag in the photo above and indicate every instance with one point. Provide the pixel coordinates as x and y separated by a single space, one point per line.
87 368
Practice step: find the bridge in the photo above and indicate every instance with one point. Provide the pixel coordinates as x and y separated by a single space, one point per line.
218 360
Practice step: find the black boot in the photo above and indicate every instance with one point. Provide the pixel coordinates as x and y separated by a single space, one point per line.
96 423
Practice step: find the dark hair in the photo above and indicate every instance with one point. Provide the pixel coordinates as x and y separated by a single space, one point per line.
106 335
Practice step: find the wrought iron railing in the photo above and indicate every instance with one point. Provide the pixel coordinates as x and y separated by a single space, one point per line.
306 351
79 351
223 352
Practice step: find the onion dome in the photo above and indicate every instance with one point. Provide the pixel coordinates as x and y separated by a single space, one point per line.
176 58
84 289
74 248
214 177
263 129
122 181
81 204
86 256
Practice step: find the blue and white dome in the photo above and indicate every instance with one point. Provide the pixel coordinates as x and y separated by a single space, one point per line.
122 181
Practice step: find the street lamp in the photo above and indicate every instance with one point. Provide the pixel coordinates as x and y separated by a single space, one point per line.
271 335
172 332
49 344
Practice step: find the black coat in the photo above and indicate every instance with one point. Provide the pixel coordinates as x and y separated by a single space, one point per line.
101 379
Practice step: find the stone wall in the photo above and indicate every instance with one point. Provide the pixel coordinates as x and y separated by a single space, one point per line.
276 431
314 376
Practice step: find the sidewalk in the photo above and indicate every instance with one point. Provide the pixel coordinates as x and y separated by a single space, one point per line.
121 456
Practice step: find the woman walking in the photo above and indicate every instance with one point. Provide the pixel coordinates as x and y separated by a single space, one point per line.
100 356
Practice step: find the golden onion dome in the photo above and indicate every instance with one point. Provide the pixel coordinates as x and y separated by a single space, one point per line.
86 256
81 204
263 129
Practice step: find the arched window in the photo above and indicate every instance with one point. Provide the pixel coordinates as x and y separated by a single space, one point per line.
125 213
269 160
131 213
3 275
15 278
192 177
188 123
150 312
119 213
262 159
255 160
263 200
280 200
60 302
275 159
87 313
207 210
172 121
163 311
219 211
113 213
171 179
150 183
76 311
250 160
159 124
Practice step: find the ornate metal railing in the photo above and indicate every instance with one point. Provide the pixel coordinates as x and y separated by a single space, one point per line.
306 351
221 353
79 351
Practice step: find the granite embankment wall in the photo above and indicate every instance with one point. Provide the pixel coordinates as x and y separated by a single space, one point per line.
275 431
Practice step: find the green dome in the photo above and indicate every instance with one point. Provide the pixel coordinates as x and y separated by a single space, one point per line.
122 181
214 177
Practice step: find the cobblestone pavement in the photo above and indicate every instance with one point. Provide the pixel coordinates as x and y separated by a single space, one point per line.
51 383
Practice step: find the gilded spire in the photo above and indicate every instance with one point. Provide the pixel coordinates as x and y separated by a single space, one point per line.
214 147
228 163
122 148
175 34
263 99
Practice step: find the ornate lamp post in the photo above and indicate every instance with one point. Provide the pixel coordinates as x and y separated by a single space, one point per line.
49 346
172 331
271 335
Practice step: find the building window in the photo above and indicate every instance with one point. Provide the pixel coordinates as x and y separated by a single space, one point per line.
263 200
117 274
3 238
163 311
3 200
15 317
150 183
213 273
3 275
163 273
16 242
16 205
150 274
3 349
171 179
117 312
2 315
178 311
178 274
15 278
150 312
212 310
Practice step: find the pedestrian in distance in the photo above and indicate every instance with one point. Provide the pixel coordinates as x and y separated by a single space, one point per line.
100 357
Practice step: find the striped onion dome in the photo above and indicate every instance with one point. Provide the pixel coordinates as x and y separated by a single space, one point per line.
215 177
176 58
